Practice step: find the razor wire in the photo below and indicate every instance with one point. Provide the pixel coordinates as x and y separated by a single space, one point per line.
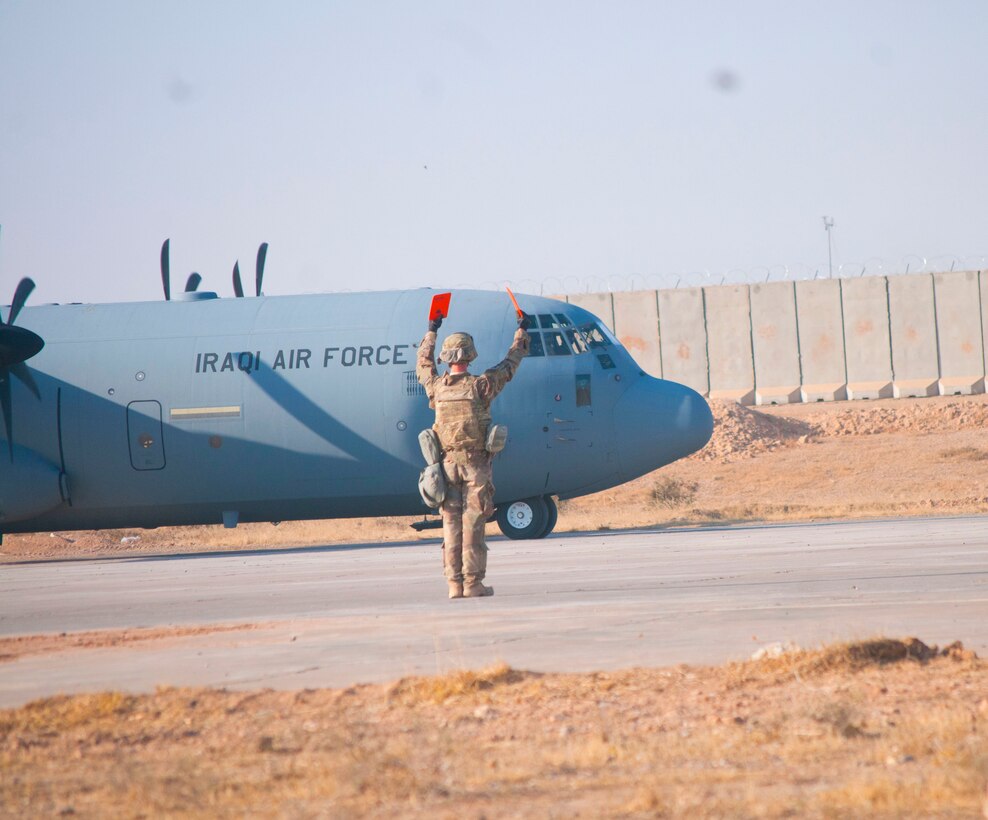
873 266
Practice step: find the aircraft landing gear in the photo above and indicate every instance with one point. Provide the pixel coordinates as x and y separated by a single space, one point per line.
529 518
553 516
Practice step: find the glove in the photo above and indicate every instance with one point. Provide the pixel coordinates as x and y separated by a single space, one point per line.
435 324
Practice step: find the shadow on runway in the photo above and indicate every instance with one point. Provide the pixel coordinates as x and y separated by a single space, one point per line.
239 553
433 543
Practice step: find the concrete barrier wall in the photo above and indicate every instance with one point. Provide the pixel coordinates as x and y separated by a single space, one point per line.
732 369
821 340
983 286
913 332
683 343
961 343
636 324
774 341
867 350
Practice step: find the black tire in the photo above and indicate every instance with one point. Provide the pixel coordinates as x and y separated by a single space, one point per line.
552 515
523 519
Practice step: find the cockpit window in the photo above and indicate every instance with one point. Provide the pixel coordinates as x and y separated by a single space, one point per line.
594 335
577 342
556 344
563 338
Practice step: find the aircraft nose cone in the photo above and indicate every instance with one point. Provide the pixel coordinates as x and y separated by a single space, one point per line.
658 422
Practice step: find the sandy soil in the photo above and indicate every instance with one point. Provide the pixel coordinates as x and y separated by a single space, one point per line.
884 728
787 463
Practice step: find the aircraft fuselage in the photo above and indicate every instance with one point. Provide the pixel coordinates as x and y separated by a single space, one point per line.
279 408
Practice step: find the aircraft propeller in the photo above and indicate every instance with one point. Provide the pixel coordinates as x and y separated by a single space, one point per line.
17 345
194 280
238 285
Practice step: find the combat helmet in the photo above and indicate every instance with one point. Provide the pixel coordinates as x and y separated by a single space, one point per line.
458 347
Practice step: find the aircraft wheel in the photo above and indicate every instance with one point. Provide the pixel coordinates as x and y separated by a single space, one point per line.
552 515
524 519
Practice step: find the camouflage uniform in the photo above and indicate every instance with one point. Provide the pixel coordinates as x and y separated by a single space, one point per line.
462 403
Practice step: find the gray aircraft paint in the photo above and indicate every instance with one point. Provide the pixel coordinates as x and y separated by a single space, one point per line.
296 407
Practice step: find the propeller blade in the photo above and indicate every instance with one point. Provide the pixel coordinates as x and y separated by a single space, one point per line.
24 288
238 285
166 277
8 422
262 253
192 283
24 374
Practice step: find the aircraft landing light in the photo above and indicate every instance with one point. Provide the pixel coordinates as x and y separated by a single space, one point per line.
188 413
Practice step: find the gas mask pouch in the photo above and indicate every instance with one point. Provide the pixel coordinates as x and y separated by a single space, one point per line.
432 485
497 437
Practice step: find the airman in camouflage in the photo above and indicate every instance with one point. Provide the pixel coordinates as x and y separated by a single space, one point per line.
462 403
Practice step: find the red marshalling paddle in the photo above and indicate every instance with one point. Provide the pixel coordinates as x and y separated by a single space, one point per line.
514 301
440 307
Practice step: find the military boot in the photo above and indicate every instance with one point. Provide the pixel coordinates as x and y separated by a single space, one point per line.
455 588
475 589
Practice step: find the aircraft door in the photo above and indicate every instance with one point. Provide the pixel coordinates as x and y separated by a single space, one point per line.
145 435
568 428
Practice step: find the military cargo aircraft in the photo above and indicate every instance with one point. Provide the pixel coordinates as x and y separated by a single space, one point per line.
203 410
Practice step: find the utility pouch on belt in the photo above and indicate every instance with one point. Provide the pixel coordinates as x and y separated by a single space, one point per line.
497 437
432 481
432 485
432 450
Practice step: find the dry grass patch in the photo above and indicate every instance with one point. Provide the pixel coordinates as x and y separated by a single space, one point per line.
964 454
844 658
673 492
53 716
441 688
878 728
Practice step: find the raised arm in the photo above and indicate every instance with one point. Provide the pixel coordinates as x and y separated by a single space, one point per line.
425 364
493 380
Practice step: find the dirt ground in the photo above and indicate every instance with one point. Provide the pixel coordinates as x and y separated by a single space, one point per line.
800 462
883 728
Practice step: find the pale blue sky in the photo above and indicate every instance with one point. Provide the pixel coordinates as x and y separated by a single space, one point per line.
402 144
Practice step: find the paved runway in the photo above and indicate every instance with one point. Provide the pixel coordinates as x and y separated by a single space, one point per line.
335 616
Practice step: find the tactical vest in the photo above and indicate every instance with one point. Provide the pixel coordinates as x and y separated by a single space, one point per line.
462 418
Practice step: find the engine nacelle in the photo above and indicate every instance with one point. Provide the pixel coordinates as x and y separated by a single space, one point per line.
29 485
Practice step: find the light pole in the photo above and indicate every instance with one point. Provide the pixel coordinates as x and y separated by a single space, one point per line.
828 223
